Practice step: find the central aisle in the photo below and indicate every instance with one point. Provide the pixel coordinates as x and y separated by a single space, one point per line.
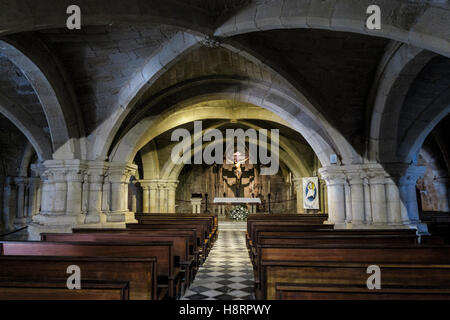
227 273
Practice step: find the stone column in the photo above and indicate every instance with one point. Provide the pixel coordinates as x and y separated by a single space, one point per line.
367 201
46 193
145 198
162 188
133 203
96 175
9 204
348 202
74 179
196 205
298 183
394 214
38 198
355 179
153 194
20 219
335 181
119 177
172 188
378 199
33 185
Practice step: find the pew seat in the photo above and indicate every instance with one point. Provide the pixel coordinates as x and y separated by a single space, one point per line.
308 291
140 273
57 290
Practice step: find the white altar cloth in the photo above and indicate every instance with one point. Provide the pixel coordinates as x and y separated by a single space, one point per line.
237 200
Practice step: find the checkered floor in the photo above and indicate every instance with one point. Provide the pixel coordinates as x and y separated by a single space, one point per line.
227 273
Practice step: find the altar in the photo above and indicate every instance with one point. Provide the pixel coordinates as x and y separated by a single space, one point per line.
237 200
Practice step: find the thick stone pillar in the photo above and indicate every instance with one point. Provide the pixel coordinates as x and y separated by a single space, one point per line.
81 193
298 183
161 194
60 198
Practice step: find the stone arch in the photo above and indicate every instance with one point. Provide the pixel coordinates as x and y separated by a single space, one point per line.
410 25
422 126
179 45
54 96
286 155
25 124
258 94
396 73
172 171
27 157
281 84
52 14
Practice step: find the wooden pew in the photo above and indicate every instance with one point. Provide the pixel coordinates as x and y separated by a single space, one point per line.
322 237
347 264
317 217
202 242
214 222
139 272
188 233
167 273
207 224
211 221
286 291
57 290
182 257
282 226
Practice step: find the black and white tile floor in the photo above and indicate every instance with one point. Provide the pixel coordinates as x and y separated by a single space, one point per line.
227 273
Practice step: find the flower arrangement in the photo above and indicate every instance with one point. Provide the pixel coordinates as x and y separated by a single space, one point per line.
239 213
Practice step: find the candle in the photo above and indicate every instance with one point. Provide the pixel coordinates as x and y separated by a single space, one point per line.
268 187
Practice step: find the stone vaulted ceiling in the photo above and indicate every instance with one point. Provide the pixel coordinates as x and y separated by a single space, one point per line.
100 60
336 69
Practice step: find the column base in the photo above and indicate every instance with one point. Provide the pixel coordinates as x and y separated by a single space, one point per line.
373 226
35 230
121 216
18 222
96 218
58 220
